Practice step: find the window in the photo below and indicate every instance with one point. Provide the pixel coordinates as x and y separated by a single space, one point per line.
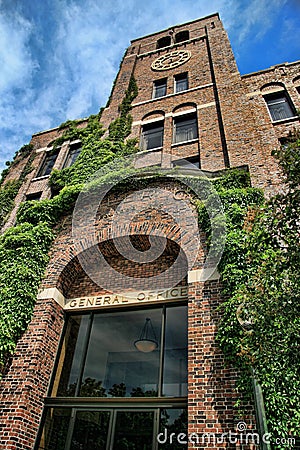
185 128
152 136
181 82
100 361
73 154
186 163
159 88
163 42
182 36
48 163
33 196
280 106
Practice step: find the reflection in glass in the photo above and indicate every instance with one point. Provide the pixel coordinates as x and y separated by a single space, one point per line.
71 355
134 430
172 421
175 360
55 429
114 367
90 430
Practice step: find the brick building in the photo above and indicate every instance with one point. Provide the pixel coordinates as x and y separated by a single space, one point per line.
80 377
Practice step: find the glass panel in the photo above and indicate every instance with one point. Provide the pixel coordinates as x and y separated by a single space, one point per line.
279 108
172 421
181 83
152 138
72 156
134 430
71 356
90 430
55 429
185 130
114 367
175 359
48 164
160 88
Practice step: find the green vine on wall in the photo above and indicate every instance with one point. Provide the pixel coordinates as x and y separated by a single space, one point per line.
261 274
10 188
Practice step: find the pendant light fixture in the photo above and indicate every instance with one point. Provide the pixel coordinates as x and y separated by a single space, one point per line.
147 341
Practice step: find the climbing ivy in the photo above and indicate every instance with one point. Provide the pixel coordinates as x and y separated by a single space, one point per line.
261 275
120 128
23 258
10 188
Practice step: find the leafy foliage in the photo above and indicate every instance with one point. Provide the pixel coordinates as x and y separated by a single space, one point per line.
261 273
9 190
23 258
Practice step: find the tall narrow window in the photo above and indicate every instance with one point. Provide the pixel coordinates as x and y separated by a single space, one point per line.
152 136
185 128
159 88
48 163
280 106
181 82
73 154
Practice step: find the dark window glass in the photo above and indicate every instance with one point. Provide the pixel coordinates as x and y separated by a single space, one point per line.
175 360
90 430
134 430
172 423
164 42
185 128
181 82
152 136
114 367
48 164
279 106
55 429
34 196
160 88
72 155
99 356
182 36
71 356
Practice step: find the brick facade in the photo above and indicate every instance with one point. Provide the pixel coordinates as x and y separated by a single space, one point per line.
234 128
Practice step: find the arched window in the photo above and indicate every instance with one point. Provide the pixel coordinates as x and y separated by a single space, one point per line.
278 101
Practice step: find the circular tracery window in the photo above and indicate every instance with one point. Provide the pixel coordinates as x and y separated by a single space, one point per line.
171 60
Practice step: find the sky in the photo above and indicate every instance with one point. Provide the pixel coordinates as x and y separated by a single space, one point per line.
58 58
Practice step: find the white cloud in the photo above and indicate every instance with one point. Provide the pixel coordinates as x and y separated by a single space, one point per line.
16 61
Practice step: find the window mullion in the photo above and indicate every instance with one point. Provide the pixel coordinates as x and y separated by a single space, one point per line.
162 352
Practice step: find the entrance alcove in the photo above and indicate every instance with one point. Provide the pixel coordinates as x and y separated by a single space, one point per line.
104 389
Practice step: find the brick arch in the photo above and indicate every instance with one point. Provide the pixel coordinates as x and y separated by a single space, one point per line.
296 80
64 265
272 87
188 106
157 114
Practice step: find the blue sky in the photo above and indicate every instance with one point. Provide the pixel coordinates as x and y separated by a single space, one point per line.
59 57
